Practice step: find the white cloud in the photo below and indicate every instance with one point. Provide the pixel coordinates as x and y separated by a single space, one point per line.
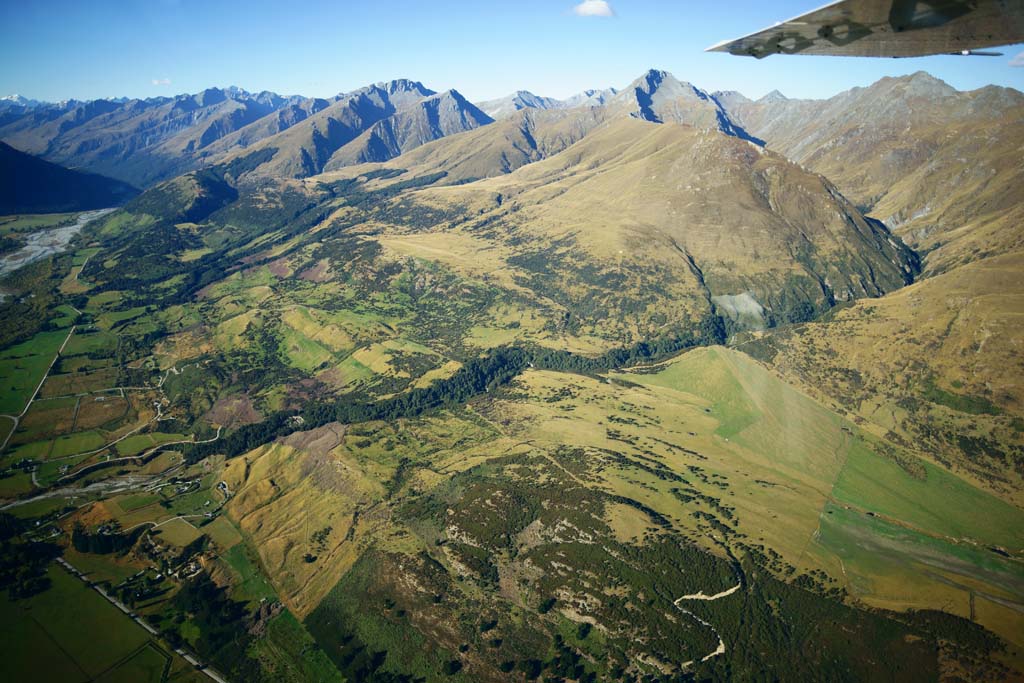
161 81
1018 60
593 8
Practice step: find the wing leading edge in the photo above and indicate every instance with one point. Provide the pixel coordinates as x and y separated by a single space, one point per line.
888 28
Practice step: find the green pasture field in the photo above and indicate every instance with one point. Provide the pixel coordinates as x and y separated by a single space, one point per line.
46 419
32 222
37 450
100 567
940 502
112 318
251 585
136 501
70 633
23 366
178 532
292 653
74 622
79 382
49 472
82 255
222 532
755 409
73 444
16 485
67 318
301 351
40 508
137 443
6 425
148 665
82 343
99 301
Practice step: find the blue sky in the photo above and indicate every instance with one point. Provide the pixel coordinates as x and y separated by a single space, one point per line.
85 49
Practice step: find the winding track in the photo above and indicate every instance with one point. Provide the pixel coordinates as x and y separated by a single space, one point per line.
699 595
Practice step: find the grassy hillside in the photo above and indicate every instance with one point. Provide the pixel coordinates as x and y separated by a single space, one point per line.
935 164
932 368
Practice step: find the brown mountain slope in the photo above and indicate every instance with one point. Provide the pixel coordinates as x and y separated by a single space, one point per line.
138 141
272 124
429 119
372 124
303 149
939 166
499 148
664 221
533 133
660 97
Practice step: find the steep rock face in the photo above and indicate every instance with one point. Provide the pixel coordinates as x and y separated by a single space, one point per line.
429 119
941 167
730 100
371 124
304 148
31 185
293 112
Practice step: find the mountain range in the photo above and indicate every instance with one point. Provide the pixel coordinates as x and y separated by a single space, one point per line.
145 141
524 99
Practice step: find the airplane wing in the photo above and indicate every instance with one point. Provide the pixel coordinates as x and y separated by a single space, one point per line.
888 28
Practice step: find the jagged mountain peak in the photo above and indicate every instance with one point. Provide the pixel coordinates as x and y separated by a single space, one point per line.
773 96
517 101
592 97
659 82
405 86
18 100
458 100
922 76
210 96
918 84
654 77
659 97
452 93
